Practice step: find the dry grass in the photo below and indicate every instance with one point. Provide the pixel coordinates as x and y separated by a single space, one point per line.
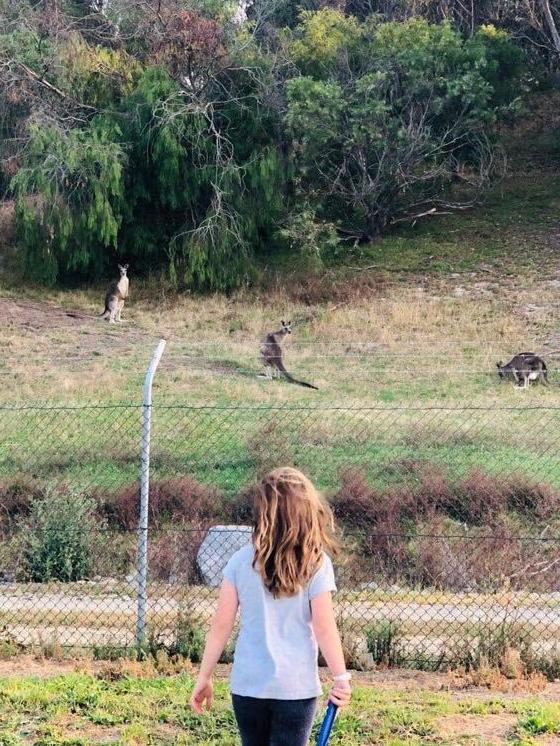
408 343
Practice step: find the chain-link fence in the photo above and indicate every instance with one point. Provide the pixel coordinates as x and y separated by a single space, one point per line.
449 517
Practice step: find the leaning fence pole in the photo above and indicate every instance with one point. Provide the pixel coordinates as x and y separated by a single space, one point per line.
142 561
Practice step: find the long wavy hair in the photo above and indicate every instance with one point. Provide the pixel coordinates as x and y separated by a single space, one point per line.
292 527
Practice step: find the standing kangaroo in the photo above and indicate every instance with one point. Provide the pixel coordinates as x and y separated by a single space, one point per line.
524 367
271 355
114 300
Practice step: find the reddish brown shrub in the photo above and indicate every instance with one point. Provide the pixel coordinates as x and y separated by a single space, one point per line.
172 555
478 499
356 504
16 498
181 501
439 559
411 531
532 499
239 510
376 517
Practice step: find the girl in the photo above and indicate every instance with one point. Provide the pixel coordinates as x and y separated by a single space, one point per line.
282 583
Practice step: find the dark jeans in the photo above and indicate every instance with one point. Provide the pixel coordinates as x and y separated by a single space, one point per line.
274 722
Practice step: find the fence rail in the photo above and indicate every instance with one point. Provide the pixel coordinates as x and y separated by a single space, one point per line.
450 518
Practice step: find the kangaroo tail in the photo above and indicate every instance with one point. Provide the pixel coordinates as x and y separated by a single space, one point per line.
291 379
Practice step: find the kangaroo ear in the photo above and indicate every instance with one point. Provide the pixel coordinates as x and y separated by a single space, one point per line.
499 365
283 322
126 266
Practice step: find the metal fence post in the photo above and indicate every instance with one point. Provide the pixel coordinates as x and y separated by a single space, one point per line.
142 566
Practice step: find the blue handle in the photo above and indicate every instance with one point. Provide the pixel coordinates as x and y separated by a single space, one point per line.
326 727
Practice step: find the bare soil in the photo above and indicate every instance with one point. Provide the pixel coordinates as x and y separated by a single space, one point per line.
488 729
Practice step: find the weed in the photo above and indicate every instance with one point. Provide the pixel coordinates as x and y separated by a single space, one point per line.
10 646
384 642
113 653
187 641
50 648
507 648
540 722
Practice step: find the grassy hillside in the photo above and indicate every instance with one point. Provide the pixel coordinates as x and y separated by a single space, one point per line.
417 319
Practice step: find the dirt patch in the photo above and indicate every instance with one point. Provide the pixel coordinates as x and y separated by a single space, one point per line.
29 665
38 316
483 728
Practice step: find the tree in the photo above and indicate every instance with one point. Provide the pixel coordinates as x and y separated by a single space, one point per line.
386 119
68 193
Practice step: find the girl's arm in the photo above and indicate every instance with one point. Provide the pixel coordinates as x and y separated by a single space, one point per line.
220 631
328 639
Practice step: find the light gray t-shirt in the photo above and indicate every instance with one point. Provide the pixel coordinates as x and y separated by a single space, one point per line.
276 651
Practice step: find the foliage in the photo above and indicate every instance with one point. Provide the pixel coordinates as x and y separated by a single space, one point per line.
68 193
95 75
193 143
60 538
323 37
313 239
380 133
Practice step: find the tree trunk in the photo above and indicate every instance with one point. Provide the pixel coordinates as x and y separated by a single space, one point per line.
551 23
50 15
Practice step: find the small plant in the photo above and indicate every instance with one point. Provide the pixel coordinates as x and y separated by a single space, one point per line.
9 644
60 538
313 239
548 664
229 651
354 647
188 640
506 648
113 653
50 648
540 722
384 642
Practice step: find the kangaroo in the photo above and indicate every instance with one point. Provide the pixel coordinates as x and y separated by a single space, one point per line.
114 300
271 355
524 367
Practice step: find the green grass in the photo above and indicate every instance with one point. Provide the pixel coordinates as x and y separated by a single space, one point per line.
81 709
228 447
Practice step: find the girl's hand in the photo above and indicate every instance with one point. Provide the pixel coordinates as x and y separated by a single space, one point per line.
340 693
203 695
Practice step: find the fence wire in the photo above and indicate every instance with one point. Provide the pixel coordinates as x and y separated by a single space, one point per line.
449 519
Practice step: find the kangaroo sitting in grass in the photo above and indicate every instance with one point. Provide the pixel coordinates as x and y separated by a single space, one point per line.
524 367
271 355
114 299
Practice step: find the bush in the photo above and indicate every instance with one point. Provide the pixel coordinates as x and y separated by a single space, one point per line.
387 117
174 501
60 538
16 499
453 535
239 510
